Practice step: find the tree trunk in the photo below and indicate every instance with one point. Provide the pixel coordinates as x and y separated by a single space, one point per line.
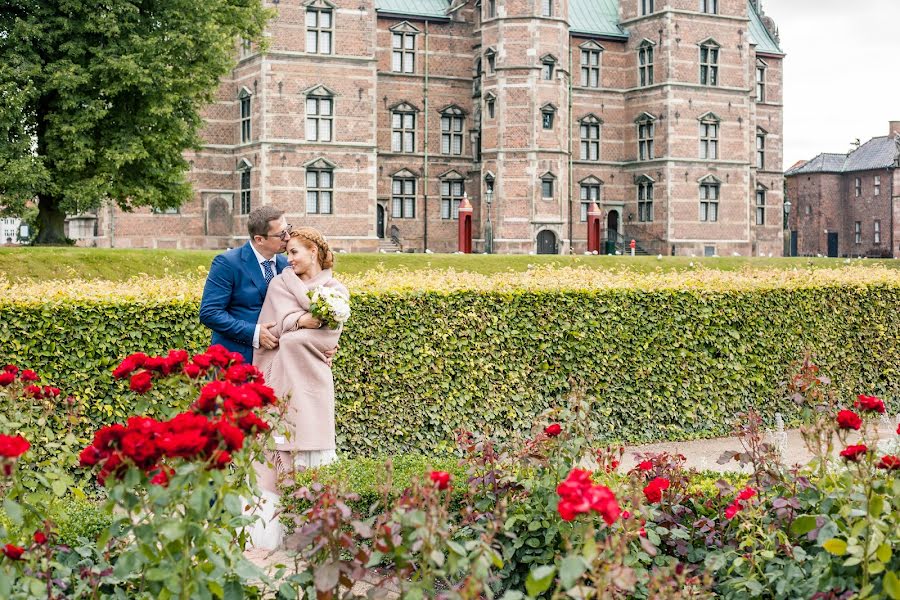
51 222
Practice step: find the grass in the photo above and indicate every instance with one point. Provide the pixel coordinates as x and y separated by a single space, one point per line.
117 265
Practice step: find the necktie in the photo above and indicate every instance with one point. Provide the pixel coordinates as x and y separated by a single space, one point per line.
267 271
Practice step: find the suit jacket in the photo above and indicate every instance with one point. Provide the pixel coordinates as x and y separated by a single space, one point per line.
233 296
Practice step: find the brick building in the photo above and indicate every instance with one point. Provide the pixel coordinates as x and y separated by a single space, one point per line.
371 122
848 204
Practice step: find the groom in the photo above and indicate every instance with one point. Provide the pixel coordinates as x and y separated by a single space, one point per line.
237 282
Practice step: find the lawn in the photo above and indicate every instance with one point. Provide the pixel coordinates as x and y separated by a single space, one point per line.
117 265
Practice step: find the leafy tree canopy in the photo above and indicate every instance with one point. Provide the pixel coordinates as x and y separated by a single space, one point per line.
101 98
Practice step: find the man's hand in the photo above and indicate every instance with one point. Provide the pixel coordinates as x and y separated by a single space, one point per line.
267 339
329 356
307 321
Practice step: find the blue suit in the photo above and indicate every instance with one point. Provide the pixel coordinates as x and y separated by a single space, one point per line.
233 297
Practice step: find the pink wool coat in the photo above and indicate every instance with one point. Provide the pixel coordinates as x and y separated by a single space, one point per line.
296 370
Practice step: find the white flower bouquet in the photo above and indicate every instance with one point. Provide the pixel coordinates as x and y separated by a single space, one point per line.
329 306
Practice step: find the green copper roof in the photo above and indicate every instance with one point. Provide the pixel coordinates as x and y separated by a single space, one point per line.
764 40
595 17
417 8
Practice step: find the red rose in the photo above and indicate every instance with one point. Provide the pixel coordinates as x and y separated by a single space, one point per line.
732 510
870 403
553 430
853 453
204 361
645 465
191 370
128 366
11 369
653 491
163 476
889 462
34 391
603 501
612 466
244 397
13 446
112 467
89 457
265 393
250 423
140 449
50 392
107 438
13 552
210 393
231 435
28 375
141 382
847 419
221 459
440 478
219 355
578 495
746 493
7 378
40 537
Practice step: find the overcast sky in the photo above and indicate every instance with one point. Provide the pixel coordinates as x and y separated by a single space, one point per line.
841 80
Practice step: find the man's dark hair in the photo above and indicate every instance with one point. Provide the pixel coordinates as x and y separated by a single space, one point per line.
258 221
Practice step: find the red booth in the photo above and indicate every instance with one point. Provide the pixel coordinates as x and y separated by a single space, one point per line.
464 242
594 221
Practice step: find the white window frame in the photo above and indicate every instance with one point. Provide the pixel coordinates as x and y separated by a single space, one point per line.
403 199
452 192
876 231
857 186
645 64
589 193
645 133
591 59
710 193
857 232
589 139
319 118
761 68
403 131
403 56
709 64
646 7
709 138
645 201
760 205
453 124
245 195
710 7
316 33
319 196
246 110
760 149
876 185
548 179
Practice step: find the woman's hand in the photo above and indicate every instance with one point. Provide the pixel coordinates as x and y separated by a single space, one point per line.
307 321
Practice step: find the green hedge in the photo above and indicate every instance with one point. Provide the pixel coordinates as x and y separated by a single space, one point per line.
414 366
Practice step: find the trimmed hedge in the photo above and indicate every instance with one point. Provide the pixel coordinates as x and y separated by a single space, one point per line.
666 356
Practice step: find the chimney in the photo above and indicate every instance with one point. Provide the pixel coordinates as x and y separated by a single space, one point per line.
894 128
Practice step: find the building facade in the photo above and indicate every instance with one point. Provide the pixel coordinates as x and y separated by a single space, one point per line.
373 121
847 204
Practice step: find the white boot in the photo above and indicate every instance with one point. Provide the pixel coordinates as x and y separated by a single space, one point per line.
266 532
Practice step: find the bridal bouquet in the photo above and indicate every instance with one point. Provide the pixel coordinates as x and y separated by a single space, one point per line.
329 307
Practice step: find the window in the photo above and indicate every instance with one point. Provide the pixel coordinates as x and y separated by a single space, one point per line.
760 81
403 131
452 132
403 54
547 114
590 68
709 139
709 251
709 64
547 184
546 8
876 186
645 201
319 29
490 108
547 70
857 232
403 198
877 232
760 150
170 210
319 118
491 59
857 184
645 64
709 202
808 209
245 192
246 48
590 192
451 196
245 117
709 6
491 8
590 139
760 206
645 139
319 191
646 7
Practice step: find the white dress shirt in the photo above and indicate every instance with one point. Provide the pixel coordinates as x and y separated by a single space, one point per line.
260 259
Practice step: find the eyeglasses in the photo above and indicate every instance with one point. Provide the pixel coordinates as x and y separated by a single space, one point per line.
283 235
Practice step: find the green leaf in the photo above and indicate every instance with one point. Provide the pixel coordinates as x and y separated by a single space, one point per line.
835 546
539 580
570 571
884 553
891 585
13 511
803 525
876 506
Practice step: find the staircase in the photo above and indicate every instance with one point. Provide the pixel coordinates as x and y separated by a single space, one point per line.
389 246
641 247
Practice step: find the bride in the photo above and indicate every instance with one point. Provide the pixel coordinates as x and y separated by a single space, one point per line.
298 370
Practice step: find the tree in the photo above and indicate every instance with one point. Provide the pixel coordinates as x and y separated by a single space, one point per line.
101 98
